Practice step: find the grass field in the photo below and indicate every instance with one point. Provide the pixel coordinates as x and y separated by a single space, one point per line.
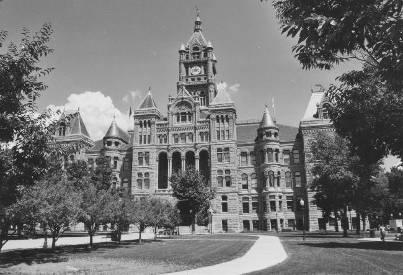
151 257
332 254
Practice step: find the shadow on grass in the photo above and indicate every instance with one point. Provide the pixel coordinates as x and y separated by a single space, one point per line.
387 246
60 253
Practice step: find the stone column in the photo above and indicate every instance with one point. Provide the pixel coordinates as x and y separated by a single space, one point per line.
183 163
197 162
169 167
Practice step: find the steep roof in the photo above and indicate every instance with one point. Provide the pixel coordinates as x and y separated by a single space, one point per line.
247 131
315 100
222 97
115 131
197 36
148 102
267 121
77 126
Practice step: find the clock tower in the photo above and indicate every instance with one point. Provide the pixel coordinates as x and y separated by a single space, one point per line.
197 66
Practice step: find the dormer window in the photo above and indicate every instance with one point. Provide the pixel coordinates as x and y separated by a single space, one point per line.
196 49
117 144
109 143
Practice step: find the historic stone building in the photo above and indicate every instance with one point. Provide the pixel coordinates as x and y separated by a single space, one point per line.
259 168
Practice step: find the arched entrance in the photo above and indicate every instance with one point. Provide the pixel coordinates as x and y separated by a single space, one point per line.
176 162
204 165
190 159
162 170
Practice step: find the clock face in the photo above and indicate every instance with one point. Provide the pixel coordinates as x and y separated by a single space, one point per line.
195 70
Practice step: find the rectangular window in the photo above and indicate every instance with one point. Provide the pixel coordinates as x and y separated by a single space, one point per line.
227 134
255 204
139 180
190 137
183 117
244 158
126 165
253 181
218 134
219 155
224 224
286 157
223 134
245 205
295 156
146 180
288 181
149 139
141 158
270 155
140 139
176 138
224 204
280 205
226 154
244 179
255 224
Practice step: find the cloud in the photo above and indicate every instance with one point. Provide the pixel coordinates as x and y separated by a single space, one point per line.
132 97
97 111
233 89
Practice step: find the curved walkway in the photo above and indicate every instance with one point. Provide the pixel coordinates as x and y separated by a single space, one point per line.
266 252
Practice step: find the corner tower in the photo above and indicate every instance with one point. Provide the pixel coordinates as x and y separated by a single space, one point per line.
197 66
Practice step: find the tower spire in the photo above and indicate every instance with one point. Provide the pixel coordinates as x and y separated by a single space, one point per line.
197 27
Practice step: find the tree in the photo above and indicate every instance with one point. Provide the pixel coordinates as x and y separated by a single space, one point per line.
367 104
52 202
94 204
22 139
141 214
334 180
162 214
120 213
190 187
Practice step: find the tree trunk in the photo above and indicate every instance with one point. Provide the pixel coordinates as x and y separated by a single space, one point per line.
45 241
155 232
53 241
358 226
140 235
193 224
91 242
344 223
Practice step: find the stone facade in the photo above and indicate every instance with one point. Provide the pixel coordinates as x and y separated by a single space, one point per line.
259 168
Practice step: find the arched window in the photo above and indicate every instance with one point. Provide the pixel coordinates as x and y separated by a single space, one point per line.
276 155
228 180
220 178
244 181
278 178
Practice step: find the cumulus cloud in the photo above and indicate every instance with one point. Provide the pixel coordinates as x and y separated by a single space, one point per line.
132 97
233 89
97 111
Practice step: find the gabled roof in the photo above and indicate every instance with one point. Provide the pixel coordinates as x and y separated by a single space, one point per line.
267 121
115 131
148 102
77 126
197 38
222 98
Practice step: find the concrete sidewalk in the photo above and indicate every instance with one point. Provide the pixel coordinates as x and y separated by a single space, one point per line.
38 243
266 252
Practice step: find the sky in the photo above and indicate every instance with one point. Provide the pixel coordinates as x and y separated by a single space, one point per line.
107 54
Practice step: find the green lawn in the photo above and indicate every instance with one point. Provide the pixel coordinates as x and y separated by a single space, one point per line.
332 254
152 257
